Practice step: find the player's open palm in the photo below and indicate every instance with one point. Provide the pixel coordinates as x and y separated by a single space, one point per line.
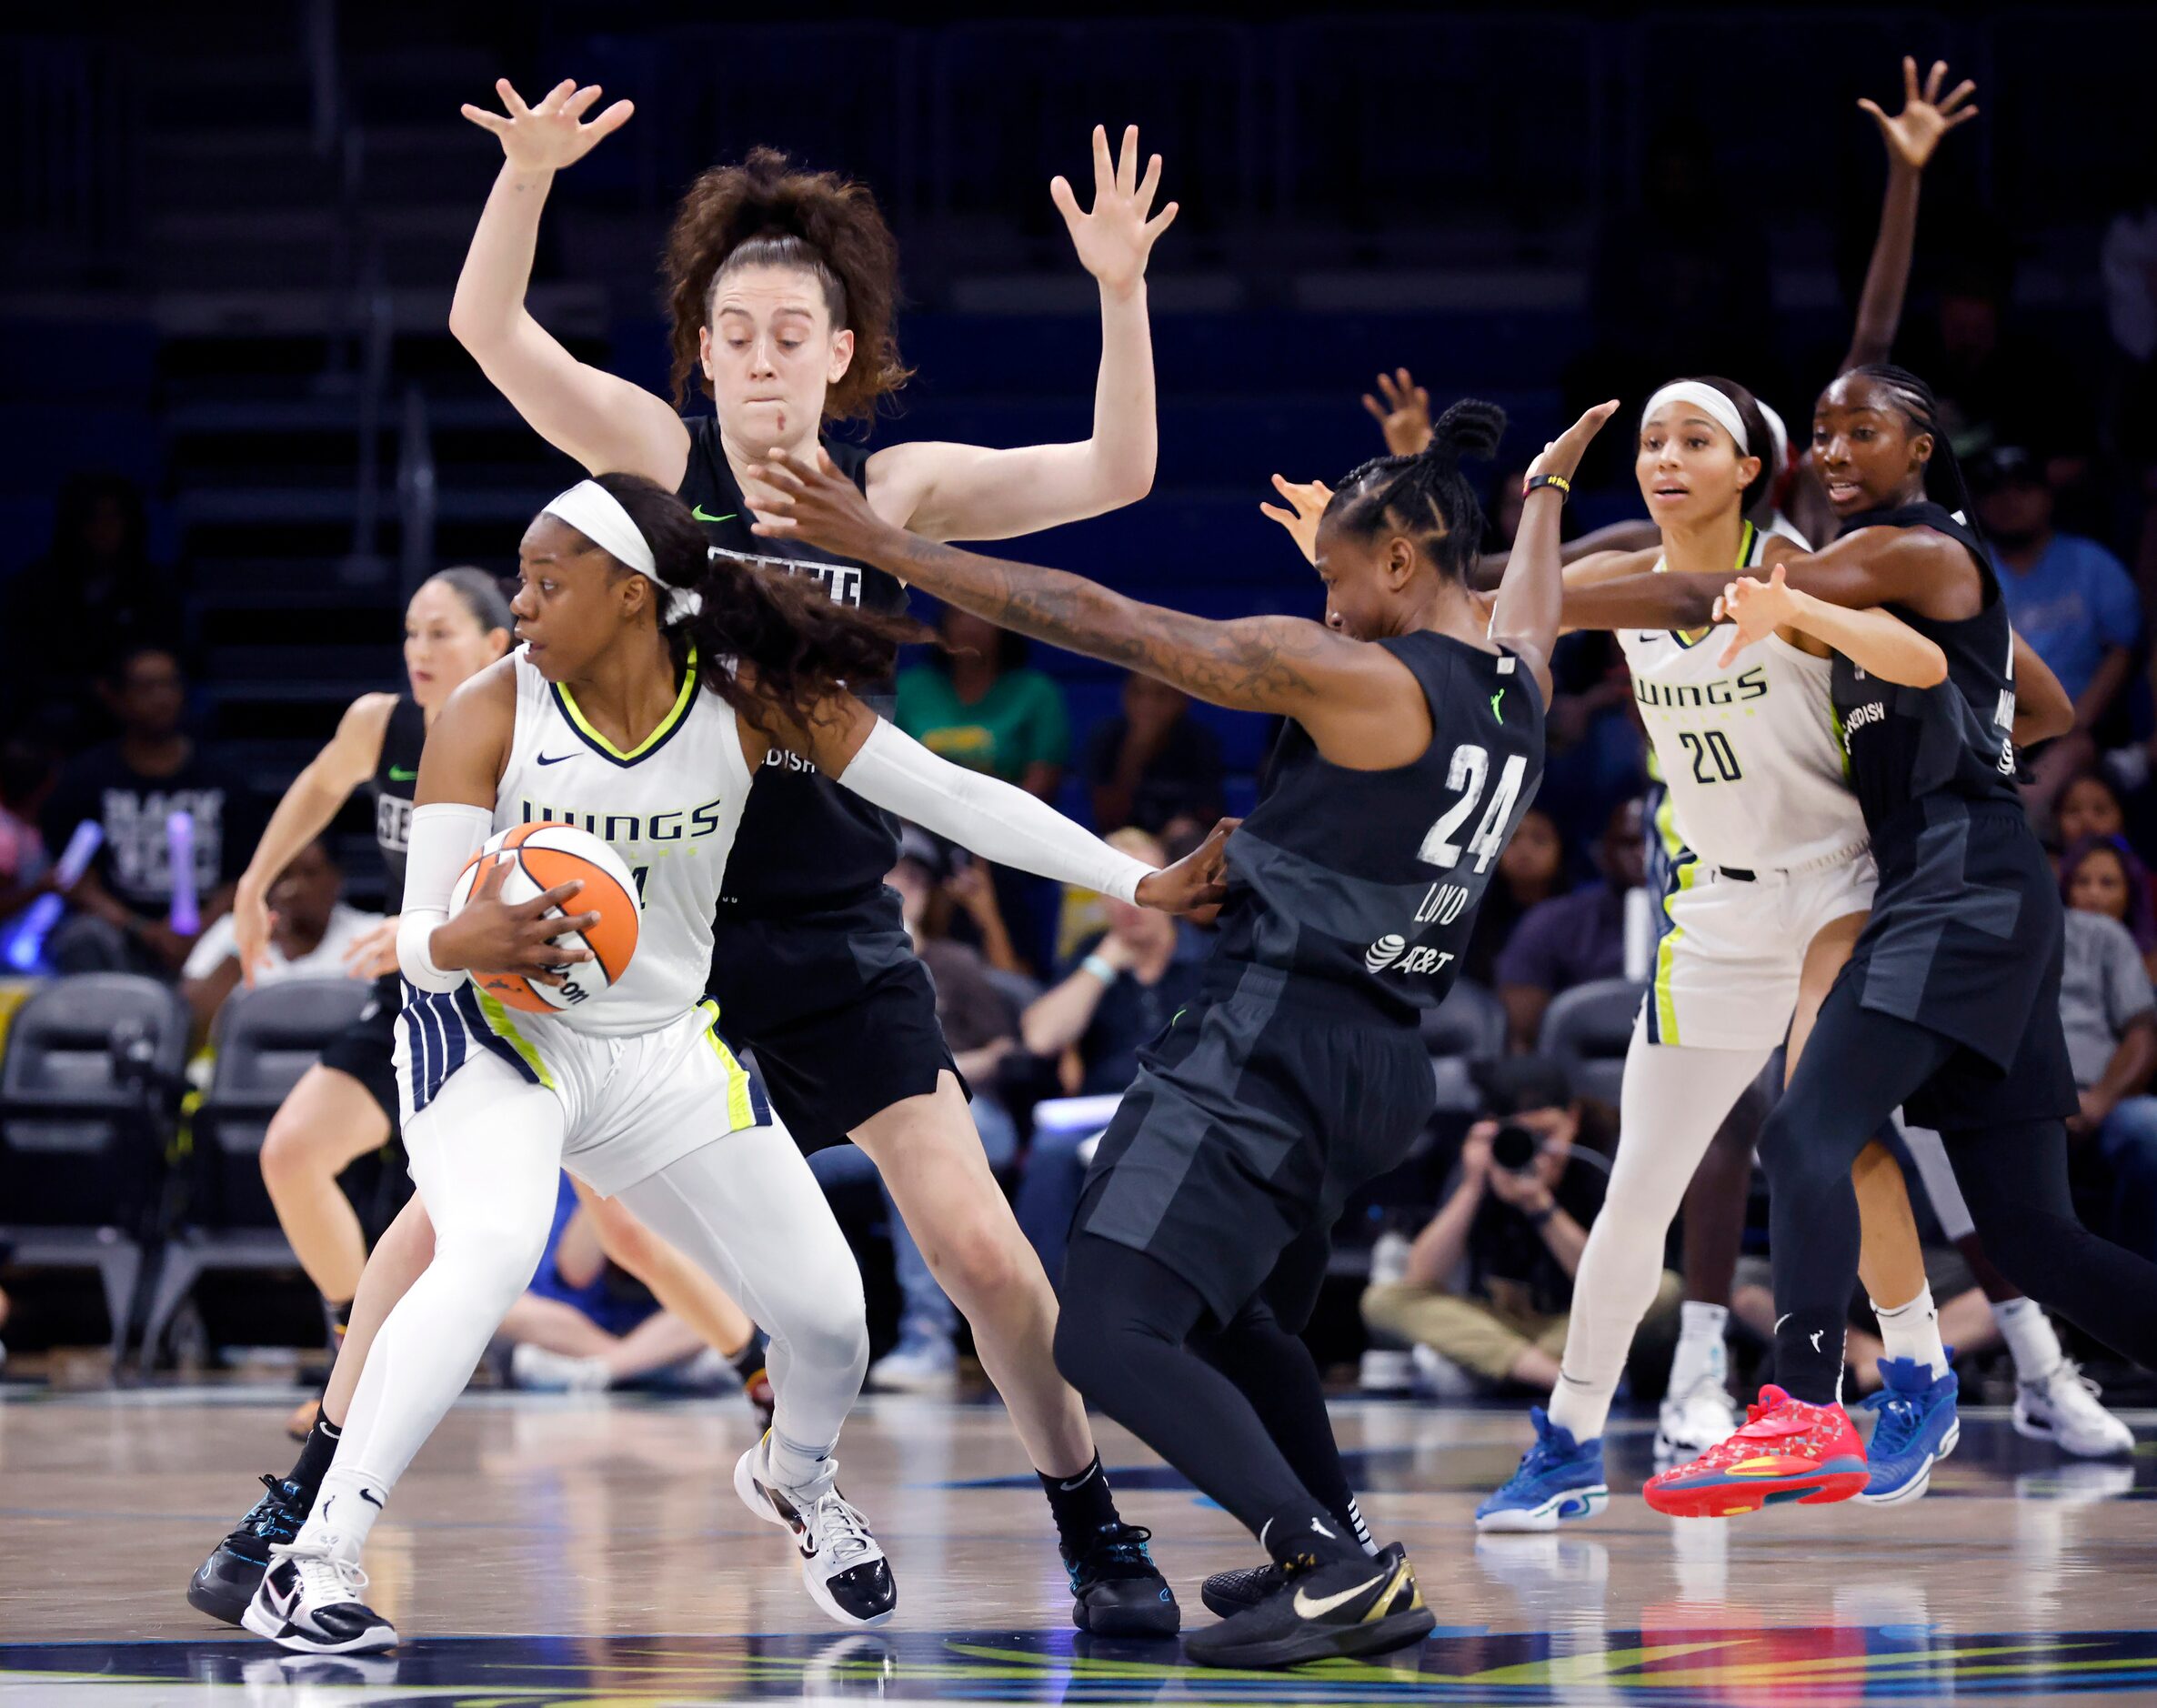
555 133
1562 456
1926 117
1115 235
1308 502
1404 417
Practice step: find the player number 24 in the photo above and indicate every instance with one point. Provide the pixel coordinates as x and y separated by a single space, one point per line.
1469 770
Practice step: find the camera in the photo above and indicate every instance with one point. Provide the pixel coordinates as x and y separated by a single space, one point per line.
1513 1147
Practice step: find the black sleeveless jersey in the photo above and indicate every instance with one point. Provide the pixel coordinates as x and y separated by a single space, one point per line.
1954 738
804 840
1370 880
397 774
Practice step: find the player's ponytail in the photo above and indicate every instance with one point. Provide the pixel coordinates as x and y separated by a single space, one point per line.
802 647
1426 497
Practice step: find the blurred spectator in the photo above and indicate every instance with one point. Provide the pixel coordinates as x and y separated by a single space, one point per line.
2111 1018
2089 805
1489 1280
977 703
588 1322
1572 939
978 1025
95 591
1992 376
1153 761
130 787
1123 987
2068 597
27 778
312 935
1531 870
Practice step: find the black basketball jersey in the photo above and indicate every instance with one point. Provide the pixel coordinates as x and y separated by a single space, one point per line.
1371 880
1956 737
802 839
397 774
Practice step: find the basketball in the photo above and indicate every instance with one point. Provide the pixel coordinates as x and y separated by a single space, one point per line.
541 857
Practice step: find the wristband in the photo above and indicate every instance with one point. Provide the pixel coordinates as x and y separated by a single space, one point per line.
1536 482
1100 967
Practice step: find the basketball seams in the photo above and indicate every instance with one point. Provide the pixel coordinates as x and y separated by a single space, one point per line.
595 876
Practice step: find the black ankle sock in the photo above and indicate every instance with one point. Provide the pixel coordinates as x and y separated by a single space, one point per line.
1303 1534
1081 1505
749 1363
315 1454
335 1319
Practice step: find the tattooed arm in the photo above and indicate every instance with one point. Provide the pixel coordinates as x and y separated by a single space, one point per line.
1361 705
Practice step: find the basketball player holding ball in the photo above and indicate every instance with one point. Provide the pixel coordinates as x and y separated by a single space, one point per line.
781 284
601 720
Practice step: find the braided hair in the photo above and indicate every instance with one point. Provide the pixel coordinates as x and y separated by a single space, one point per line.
1944 479
1425 497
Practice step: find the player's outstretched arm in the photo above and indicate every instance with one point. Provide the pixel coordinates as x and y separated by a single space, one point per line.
1271 664
997 820
604 422
1525 617
1909 137
1877 641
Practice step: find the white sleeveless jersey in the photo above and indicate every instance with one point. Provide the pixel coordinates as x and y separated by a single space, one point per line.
670 808
1756 768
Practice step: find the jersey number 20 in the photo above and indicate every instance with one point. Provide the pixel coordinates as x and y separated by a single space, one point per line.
1714 761
1469 771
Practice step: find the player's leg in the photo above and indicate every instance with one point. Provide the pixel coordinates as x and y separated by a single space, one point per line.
486 1154
326 1122
2055 1400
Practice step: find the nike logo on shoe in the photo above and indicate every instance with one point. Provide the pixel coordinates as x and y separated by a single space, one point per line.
1322 1531
1309 1607
1784 1318
555 758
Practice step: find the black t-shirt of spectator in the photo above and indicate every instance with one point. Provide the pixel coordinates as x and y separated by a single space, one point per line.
1183 778
1504 1245
1131 1013
135 860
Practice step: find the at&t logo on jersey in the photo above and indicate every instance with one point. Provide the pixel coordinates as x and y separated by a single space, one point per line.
1392 950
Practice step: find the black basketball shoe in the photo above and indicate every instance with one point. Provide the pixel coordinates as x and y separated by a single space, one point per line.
224 1583
1349 1607
1117 1591
1227 1593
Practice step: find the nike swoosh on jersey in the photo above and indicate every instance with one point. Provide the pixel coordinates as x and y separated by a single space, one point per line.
1308 1608
398 774
699 512
555 758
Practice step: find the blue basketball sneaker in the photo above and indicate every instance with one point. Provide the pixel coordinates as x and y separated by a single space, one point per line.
1917 1428
1559 1479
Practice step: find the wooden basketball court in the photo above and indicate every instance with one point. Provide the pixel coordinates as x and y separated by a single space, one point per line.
585 1550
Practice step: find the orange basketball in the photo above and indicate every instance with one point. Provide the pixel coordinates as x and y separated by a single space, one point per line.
541 855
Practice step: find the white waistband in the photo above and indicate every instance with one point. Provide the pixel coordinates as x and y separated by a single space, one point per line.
1785 874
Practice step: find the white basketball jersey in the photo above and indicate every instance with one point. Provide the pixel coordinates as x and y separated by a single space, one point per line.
1756 768
670 808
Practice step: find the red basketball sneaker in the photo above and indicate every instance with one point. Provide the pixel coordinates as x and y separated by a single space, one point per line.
1787 1450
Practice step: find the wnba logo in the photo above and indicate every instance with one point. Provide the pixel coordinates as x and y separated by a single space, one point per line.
1383 953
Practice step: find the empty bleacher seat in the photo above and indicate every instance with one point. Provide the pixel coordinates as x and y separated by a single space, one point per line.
1465 1031
1589 1029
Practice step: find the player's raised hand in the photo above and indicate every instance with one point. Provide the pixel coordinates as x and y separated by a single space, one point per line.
488 935
813 501
1198 880
555 133
1757 608
1562 456
1404 417
1309 500
1926 117
1116 236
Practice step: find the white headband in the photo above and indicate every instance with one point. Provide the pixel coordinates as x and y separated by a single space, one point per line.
1777 432
1717 407
600 518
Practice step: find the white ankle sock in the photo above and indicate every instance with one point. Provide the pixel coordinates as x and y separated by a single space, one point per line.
794 1466
1912 1331
1701 1355
345 1511
1577 1408
2030 1339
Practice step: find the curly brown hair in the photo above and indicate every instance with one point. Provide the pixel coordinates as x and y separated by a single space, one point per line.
766 210
802 646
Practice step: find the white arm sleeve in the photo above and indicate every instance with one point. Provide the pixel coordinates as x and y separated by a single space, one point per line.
996 819
445 835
